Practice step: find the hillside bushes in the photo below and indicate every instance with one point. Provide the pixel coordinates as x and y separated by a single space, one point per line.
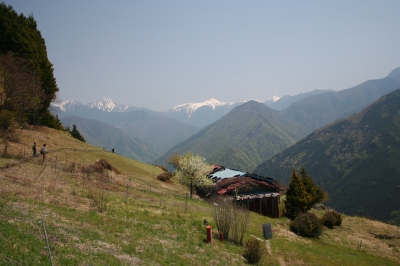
332 218
253 251
307 225
165 177
232 220
98 167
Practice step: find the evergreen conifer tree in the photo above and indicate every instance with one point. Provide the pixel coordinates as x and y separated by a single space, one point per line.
301 194
19 35
76 134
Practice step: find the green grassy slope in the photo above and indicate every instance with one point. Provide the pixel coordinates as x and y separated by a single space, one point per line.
243 138
144 221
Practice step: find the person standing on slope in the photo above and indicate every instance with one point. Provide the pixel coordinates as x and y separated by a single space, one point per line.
43 151
34 148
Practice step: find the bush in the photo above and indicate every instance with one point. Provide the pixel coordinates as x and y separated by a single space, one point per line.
253 251
307 225
339 218
98 167
332 218
166 176
329 219
104 164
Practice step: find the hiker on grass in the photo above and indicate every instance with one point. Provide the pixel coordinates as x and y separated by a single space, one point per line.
43 151
34 148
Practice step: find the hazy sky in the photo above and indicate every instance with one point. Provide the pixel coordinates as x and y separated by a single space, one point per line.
158 54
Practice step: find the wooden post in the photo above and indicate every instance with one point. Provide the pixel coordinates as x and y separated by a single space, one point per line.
209 233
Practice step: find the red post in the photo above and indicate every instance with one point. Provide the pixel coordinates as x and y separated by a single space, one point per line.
209 233
221 236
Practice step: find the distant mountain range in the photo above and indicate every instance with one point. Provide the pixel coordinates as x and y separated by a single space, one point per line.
207 112
101 134
197 114
319 110
355 159
158 131
164 130
242 138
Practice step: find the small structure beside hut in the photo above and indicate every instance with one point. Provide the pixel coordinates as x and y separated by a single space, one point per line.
257 193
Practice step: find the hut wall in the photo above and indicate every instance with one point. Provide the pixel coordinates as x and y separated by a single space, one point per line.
265 206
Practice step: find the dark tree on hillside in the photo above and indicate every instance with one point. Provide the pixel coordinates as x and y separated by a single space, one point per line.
76 134
20 89
301 194
19 35
316 192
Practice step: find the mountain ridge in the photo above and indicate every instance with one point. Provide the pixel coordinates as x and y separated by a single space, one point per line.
198 114
250 124
354 159
101 134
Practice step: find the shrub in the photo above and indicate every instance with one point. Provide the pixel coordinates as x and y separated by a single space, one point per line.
166 176
332 218
307 225
253 251
104 163
339 218
329 219
91 169
98 167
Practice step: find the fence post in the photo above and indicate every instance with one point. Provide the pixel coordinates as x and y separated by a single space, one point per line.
209 233
47 242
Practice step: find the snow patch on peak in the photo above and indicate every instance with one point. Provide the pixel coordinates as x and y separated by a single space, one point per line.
268 100
105 104
192 107
67 105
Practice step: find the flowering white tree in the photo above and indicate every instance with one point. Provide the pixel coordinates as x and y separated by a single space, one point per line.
192 171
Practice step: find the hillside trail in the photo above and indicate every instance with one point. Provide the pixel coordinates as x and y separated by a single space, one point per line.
280 259
27 159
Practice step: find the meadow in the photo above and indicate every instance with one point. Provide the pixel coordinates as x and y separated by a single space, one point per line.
125 216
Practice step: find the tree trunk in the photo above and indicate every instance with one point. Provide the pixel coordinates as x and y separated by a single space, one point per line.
191 187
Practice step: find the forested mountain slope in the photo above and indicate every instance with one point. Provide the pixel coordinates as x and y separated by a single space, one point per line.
355 159
161 132
98 133
249 134
319 110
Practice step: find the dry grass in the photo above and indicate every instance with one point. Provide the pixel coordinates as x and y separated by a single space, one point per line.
155 226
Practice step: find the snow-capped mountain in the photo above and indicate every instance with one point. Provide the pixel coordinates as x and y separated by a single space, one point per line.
108 105
204 113
68 106
105 105
214 103
269 100
190 108
198 114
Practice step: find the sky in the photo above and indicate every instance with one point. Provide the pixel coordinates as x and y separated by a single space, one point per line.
159 54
